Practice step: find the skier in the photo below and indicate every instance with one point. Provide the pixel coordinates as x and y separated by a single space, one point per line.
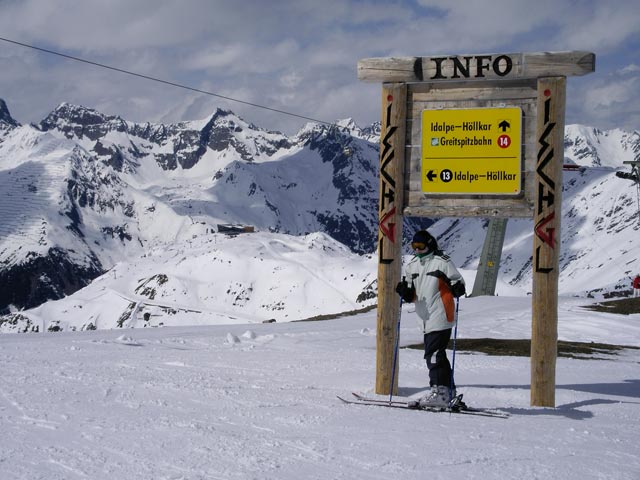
636 286
432 281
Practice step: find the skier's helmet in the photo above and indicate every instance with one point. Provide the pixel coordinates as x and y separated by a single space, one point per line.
423 242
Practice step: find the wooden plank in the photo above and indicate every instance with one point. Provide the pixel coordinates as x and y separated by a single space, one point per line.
476 67
470 211
498 91
392 149
546 239
433 208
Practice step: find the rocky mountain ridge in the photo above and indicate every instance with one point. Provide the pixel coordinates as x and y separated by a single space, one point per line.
84 190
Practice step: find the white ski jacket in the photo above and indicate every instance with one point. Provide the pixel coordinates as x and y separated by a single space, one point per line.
431 276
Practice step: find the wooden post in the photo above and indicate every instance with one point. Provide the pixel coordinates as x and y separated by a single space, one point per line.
546 240
392 144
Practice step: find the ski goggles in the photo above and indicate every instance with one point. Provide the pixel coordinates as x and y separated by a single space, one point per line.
418 245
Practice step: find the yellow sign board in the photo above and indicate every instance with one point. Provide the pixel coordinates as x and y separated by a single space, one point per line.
472 151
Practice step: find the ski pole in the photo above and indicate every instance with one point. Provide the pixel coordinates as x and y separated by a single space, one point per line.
395 353
453 354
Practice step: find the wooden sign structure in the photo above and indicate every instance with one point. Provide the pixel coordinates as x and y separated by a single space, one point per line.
474 136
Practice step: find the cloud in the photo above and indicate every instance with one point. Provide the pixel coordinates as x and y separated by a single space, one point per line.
99 26
217 57
606 96
298 56
630 69
609 101
620 95
290 79
604 27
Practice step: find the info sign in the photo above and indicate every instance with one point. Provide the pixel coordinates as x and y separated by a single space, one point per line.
472 151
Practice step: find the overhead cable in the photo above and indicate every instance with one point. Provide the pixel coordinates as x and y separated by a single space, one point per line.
166 82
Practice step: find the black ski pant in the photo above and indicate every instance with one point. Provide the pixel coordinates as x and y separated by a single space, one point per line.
435 353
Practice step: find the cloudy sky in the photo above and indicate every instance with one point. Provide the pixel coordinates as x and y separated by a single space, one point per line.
299 56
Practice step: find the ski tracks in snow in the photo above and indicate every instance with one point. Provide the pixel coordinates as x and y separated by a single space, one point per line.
184 403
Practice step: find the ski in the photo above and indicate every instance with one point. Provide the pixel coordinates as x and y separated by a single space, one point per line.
455 403
405 406
458 406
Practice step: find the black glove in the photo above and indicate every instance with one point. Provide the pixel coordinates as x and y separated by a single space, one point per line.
406 292
458 290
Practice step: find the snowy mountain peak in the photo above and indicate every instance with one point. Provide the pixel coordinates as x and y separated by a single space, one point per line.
344 129
591 147
79 122
88 190
348 124
7 122
114 188
225 131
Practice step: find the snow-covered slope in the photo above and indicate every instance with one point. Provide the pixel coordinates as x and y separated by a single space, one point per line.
596 148
83 191
215 279
237 402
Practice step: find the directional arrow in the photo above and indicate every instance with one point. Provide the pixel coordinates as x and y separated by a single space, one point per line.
504 125
431 175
